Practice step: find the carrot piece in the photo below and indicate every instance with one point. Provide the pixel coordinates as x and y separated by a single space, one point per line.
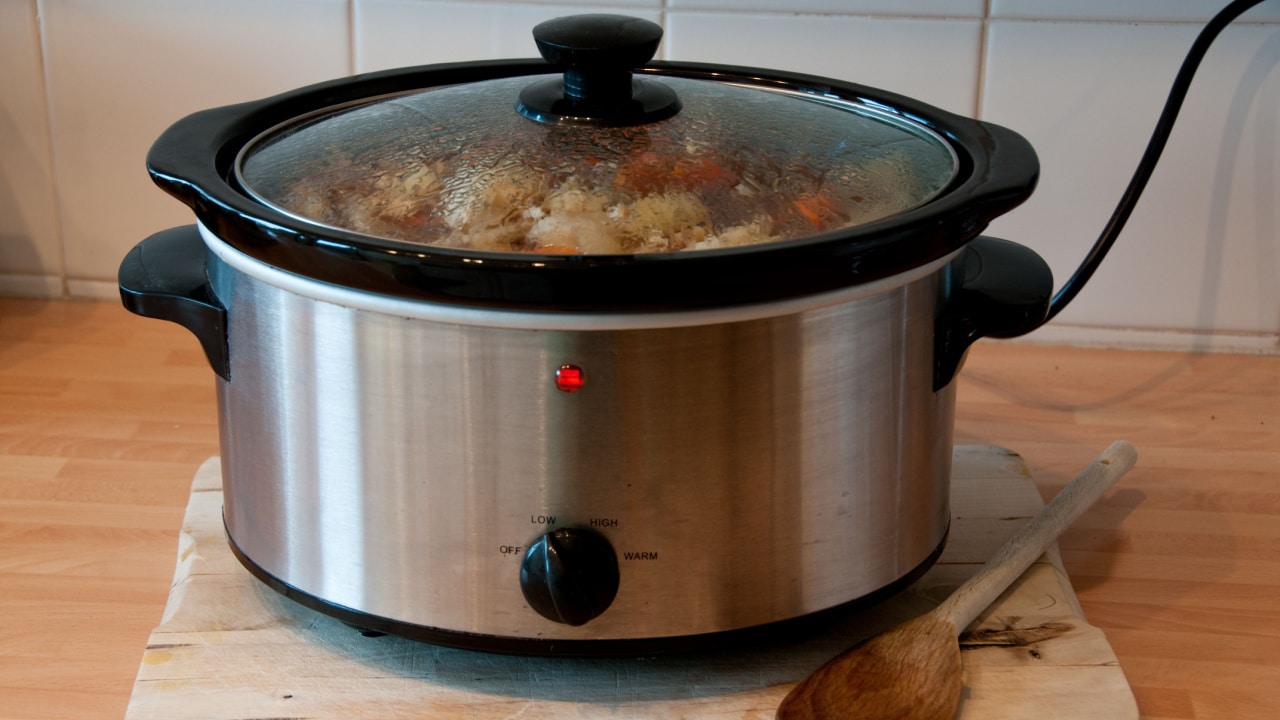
557 249
815 208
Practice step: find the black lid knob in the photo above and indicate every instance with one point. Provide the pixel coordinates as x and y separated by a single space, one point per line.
597 54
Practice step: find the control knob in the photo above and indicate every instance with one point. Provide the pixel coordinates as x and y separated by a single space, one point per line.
570 575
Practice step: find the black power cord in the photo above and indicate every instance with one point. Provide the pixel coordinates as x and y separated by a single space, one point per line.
1155 146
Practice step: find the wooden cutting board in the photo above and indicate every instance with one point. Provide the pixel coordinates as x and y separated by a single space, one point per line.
230 649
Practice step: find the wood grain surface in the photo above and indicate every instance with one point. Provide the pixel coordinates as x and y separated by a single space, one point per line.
105 417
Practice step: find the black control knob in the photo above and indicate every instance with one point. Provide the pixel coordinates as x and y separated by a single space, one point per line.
597 54
570 575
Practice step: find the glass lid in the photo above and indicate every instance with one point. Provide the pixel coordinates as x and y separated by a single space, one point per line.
685 164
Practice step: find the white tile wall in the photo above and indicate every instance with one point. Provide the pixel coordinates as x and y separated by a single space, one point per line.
399 33
86 85
1124 10
120 72
950 8
938 65
1201 251
30 252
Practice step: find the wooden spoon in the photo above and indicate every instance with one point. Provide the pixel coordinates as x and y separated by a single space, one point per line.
912 672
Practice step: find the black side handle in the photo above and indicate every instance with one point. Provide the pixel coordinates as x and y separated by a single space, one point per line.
166 277
1002 291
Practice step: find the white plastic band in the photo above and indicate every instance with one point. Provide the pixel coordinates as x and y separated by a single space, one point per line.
461 314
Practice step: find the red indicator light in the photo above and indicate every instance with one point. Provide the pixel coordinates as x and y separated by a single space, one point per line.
569 378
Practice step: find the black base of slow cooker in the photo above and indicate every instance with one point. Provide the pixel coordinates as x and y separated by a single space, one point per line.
788 630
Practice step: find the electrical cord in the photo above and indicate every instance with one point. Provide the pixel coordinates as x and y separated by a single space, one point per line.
1155 146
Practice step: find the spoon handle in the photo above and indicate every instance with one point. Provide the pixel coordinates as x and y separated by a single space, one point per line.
1016 555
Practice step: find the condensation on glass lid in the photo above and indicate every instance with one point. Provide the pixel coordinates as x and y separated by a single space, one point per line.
458 167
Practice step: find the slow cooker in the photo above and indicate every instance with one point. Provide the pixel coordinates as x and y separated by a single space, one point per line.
587 354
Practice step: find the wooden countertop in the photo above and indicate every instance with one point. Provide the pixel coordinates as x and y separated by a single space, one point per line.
105 417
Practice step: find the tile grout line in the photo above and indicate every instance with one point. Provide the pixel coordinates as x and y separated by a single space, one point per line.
42 38
984 37
664 19
352 37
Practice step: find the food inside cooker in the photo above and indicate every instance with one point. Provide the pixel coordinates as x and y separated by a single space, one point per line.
458 167
649 203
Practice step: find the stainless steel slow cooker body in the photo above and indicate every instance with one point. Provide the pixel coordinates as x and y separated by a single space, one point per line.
584 454
746 465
